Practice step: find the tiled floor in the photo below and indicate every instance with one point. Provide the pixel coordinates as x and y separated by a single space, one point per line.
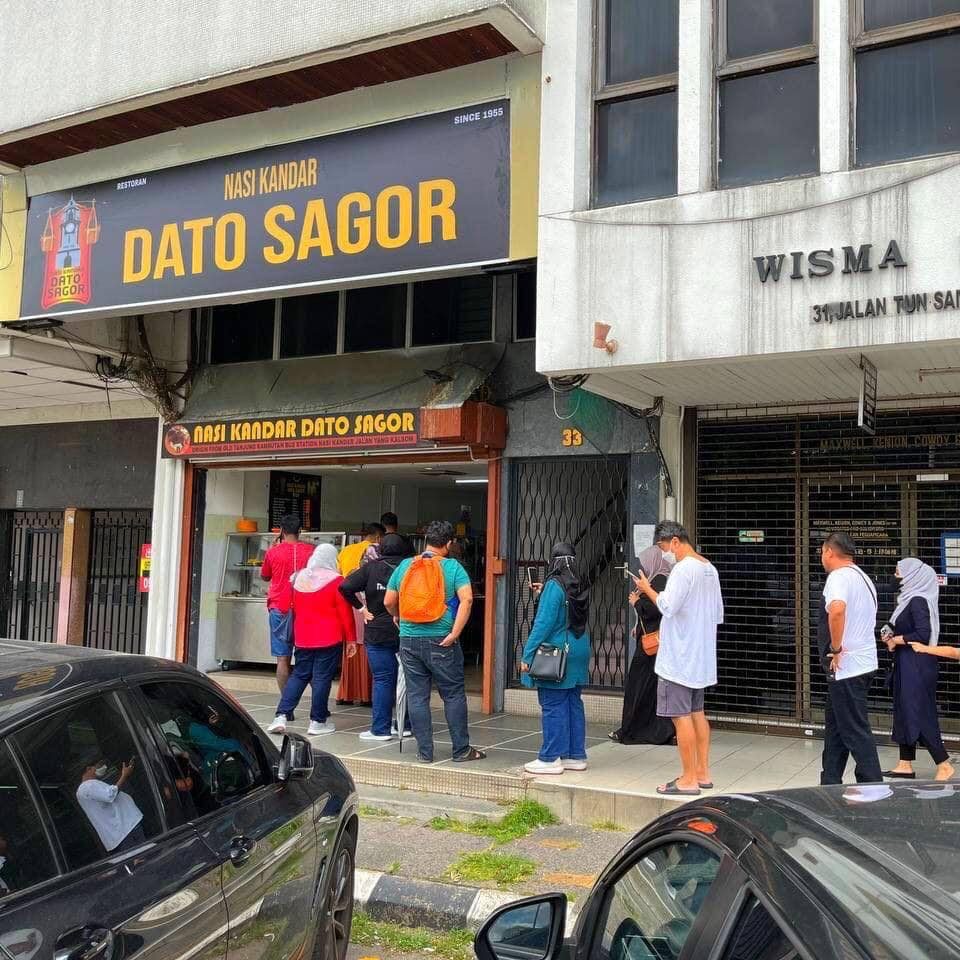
741 762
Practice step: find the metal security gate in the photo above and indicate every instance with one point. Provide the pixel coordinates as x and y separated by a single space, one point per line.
116 611
34 585
768 493
582 500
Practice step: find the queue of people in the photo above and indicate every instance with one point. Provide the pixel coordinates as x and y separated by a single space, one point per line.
369 612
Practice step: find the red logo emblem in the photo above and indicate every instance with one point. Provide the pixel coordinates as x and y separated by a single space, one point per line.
67 241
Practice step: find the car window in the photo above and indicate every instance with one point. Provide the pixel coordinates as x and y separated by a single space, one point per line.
649 911
25 855
217 758
758 936
92 780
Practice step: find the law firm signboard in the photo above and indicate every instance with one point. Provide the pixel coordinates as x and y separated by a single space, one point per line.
419 194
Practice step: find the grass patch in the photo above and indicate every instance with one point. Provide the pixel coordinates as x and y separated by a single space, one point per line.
454 945
394 868
606 825
375 813
488 867
524 817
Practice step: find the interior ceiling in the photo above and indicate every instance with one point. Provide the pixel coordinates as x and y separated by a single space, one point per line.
401 62
902 372
434 474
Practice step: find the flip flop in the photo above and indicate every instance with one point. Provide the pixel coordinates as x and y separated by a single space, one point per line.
473 754
672 790
706 786
899 776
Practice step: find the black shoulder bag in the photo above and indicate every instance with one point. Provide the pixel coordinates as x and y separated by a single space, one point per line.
550 662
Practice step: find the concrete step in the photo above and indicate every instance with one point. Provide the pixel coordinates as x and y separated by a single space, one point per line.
425 806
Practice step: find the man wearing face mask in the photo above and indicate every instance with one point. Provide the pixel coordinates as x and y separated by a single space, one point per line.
692 608
112 812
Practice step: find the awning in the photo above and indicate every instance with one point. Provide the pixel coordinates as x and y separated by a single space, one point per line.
410 379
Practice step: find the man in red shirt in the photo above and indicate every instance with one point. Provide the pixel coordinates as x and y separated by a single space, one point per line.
282 561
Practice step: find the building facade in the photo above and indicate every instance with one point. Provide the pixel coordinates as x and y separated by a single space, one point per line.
759 204
310 253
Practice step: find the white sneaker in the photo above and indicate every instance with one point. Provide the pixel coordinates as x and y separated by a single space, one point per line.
279 724
370 735
407 734
574 764
320 729
539 767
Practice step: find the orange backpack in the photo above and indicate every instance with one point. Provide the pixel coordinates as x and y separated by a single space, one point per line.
423 594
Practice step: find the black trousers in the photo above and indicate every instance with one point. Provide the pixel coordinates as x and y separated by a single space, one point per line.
936 750
848 732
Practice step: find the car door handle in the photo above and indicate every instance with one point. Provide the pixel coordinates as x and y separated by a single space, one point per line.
91 944
240 849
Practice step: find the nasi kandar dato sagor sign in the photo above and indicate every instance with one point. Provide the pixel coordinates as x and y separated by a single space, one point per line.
399 197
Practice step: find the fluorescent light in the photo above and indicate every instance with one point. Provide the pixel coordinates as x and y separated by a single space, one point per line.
472 480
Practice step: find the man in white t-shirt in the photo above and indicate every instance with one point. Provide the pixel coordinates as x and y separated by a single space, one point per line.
111 811
848 647
692 608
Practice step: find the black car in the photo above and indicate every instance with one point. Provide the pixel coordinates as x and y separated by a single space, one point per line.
143 813
818 874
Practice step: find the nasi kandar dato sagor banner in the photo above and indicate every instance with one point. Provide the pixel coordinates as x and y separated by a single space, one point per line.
410 195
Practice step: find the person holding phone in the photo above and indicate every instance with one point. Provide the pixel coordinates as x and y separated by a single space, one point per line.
110 810
639 722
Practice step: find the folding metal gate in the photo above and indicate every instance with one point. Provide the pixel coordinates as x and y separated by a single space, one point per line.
584 501
116 611
34 586
768 492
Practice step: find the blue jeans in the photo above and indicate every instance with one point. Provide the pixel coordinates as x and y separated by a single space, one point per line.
425 661
317 667
382 658
281 633
564 724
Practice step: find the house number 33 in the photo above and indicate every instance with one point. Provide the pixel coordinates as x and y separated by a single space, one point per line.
571 437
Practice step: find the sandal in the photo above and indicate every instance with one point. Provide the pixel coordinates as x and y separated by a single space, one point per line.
706 784
614 736
472 754
672 790
893 774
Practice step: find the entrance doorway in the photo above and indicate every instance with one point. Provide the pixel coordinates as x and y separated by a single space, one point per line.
36 546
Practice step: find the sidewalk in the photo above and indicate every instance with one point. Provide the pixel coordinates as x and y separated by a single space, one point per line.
618 788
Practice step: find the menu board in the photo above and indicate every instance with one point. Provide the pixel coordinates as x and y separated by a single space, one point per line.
297 493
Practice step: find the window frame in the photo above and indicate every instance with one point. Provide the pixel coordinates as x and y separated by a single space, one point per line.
604 92
749 890
862 40
207 322
726 68
271 754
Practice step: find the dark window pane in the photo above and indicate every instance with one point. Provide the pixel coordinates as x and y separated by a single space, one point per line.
757 937
763 26
376 318
637 148
886 13
768 126
908 100
527 305
27 858
219 758
92 780
641 39
308 325
453 310
242 331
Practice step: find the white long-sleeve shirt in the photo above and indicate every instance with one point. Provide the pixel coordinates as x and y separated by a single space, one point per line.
111 811
692 607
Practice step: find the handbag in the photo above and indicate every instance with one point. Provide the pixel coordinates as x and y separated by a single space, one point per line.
550 662
649 641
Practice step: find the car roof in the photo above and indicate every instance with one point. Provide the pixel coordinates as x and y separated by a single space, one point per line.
36 675
876 856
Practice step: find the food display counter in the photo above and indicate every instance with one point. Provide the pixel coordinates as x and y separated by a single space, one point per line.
242 632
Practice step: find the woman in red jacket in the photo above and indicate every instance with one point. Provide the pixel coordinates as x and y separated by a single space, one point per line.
322 622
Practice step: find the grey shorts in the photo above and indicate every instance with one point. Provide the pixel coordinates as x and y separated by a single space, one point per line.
675 700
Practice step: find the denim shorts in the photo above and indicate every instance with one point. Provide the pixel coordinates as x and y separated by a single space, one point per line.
281 633
676 700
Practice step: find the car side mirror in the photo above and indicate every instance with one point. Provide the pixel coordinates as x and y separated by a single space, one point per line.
530 929
296 758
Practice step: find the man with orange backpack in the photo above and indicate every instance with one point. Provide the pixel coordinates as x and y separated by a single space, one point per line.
432 597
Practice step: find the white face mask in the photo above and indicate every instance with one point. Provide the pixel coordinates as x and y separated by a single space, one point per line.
101 771
669 556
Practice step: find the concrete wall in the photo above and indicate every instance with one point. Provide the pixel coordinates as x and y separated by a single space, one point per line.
52 61
96 465
676 277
